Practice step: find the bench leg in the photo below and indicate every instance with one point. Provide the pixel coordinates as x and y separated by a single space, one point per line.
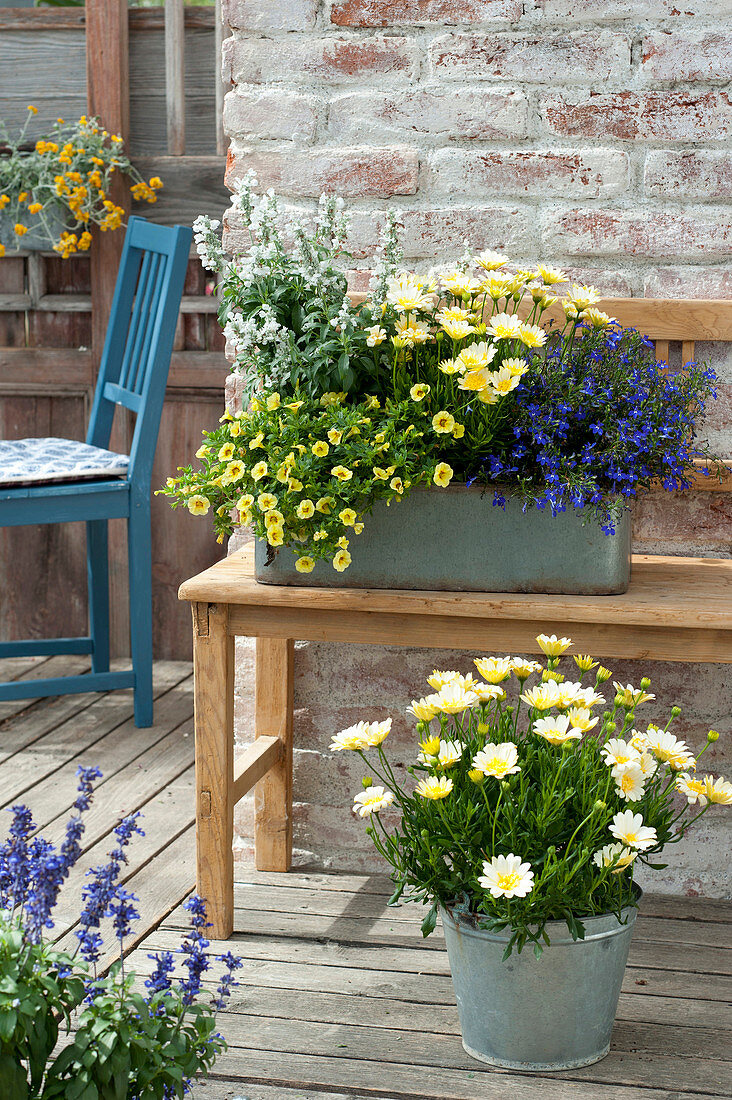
273 793
213 666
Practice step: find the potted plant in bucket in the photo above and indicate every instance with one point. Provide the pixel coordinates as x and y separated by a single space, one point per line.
454 395
531 800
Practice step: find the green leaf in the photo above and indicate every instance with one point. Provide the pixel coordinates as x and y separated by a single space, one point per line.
430 921
13 1081
8 1020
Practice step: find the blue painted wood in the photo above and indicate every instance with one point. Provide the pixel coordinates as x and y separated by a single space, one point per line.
66 685
133 372
97 570
45 647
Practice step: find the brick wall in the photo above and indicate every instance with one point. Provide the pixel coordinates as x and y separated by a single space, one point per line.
596 134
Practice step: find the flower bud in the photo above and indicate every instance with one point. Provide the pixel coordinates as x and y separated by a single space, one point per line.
675 712
483 727
603 674
476 776
599 806
712 736
611 725
366 782
425 834
645 683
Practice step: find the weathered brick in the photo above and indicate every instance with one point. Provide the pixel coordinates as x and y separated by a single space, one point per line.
687 55
701 521
437 113
396 13
638 233
689 282
661 116
270 114
362 172
596 11
697 174
437 233
305 58
588 173
570 57
285 15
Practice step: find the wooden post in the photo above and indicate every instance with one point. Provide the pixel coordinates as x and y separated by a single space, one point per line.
213 667
273 700
175 76
222 86
108 97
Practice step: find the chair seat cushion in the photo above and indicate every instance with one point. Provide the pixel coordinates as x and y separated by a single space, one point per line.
34 460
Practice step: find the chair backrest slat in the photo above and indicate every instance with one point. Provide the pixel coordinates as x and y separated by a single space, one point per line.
139 341
127 358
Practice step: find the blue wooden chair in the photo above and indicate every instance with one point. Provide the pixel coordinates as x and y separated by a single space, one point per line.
59 481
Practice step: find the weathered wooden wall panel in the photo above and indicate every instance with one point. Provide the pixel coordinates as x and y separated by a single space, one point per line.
45 343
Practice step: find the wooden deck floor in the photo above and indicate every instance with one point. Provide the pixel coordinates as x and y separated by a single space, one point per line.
339 995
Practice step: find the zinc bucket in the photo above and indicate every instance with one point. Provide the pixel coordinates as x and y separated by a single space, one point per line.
551 1013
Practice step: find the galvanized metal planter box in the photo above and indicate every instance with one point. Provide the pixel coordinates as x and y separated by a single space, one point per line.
455 540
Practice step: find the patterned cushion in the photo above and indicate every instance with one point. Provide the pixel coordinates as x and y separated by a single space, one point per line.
26 460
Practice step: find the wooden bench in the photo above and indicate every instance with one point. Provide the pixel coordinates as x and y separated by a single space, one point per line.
677 609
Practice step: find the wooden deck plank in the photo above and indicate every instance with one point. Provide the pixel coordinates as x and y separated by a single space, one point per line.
164 818
623 1066
36 668
133 785
401 929
104 734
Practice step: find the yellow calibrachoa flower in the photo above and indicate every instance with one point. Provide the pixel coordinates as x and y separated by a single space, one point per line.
305 564
320 449
259 471
419 391
347 516
275 535
443 422
245 502
274 518
226 452
198 505
442 475
305 509
335 436
341 560
265 501
342 473
234 472
324 505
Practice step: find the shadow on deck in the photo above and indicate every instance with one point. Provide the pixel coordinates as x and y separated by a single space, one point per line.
339 995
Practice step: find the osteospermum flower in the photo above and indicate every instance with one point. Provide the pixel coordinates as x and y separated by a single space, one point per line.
355 737
532 336
628 828
669 750
376 335
616 856
491 261
437 678
639 740
556 730
588 697
629 780
694 789
376 732
507 877
476 356
457 330
552 646
422 709
718 790
522 668
581 718
628 696
460 283
497 760
550 275
505 326
543 696
372 800
494 670
453 698
434 788
406 293
487 692
617 753
582 297
448 753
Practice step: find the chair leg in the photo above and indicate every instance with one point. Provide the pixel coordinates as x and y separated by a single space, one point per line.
97 569
140 566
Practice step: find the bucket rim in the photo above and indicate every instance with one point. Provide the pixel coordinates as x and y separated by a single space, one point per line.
597 927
